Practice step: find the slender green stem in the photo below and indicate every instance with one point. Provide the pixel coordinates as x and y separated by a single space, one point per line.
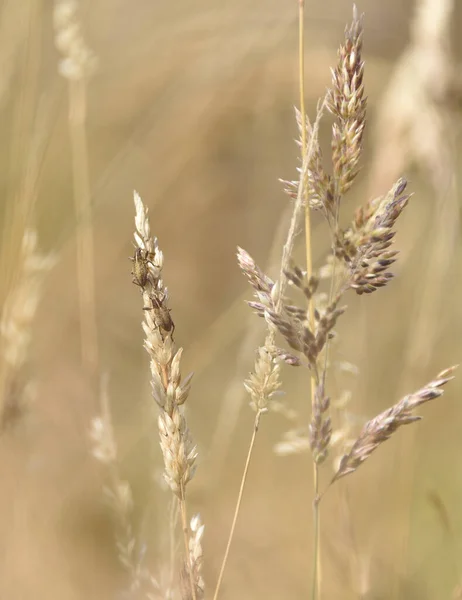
238 503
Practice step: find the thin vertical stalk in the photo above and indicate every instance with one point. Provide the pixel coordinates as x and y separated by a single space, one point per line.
316 582
85 244
301 71
20 197
238 503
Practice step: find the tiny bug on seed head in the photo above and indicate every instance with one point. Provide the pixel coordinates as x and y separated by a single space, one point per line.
161 314
140 271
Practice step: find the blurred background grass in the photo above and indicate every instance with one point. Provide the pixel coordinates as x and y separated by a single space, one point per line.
192 105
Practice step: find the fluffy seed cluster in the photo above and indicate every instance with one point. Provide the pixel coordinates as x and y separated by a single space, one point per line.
318 185
169 391
299 334
379 429
292 321
365 245
264 382
346 101
78 60
317 182
293 324
360 260
320 429
269 305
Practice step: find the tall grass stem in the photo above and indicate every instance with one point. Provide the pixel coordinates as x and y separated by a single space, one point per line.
316 583
238 504
85 243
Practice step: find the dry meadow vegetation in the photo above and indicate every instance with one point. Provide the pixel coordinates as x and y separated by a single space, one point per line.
333 325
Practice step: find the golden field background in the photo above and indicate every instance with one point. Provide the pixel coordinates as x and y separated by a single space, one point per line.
192 106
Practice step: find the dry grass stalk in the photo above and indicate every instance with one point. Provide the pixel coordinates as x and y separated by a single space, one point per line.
14 19
377 431
264 381
130 548
361 257
236 393
308 331
16 323
77 65
347 103
118 492
169 391
21 35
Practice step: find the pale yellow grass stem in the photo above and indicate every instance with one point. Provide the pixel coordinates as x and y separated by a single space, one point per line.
238 503
316 582
85 248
